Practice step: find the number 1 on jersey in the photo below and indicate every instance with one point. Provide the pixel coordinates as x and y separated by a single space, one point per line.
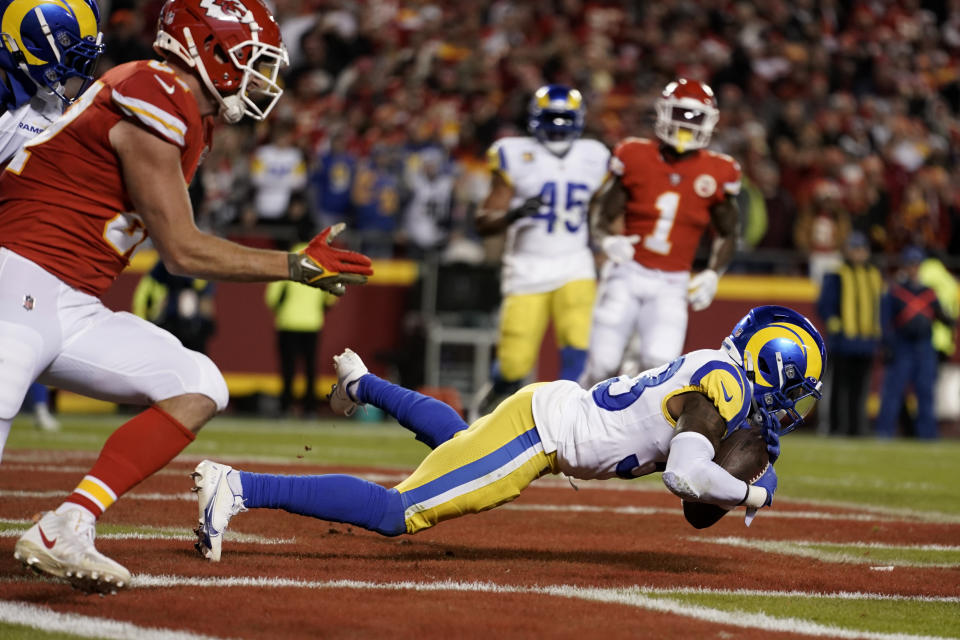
667 204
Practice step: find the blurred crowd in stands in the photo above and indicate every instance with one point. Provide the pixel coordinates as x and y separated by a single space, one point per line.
842 114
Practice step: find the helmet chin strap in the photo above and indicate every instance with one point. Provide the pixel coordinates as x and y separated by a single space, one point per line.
232 109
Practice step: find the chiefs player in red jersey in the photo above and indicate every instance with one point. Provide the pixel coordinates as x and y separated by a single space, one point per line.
649 217
77 201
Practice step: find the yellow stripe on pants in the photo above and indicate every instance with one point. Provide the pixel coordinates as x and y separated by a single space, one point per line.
478 469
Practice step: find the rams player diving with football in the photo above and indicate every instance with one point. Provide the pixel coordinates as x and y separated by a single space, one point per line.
540 188
670 419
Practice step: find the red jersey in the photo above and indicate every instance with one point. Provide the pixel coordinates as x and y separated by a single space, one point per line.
63 203
668 203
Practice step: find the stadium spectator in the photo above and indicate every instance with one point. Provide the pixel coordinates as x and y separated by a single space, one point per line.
278 171
428 216
908 311
849 306
375 201
332 179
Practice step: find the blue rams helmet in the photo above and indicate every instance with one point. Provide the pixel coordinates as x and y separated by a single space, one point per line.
556 116
51 41
784 356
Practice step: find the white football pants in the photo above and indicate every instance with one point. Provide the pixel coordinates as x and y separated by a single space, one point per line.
68 339
632 299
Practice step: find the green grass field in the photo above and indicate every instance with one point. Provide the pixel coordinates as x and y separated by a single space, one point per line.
893 475
902 477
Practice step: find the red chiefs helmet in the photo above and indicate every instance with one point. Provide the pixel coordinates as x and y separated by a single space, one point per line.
235 48
686 114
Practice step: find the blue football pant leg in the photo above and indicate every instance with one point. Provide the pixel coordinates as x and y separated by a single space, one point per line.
36 394
338 498
481 468
896 375
433 422
924 382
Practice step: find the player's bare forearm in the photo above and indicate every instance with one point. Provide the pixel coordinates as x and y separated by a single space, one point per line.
698 414
493 215
211 258
607 208
725 217
155 182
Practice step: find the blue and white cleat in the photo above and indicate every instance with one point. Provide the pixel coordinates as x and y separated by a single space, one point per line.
220 497
350 368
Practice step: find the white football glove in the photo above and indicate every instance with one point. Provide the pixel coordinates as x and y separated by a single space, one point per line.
619 248
702 288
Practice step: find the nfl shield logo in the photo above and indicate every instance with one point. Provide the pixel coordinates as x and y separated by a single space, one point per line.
675 179
28 302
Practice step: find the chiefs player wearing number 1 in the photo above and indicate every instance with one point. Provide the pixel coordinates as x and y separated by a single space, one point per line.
77 201
649 217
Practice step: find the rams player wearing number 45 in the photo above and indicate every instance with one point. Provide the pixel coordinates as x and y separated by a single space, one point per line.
540 188
668 419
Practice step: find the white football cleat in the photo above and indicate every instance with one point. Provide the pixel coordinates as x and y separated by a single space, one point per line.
350 368
60 544
43 419
220 497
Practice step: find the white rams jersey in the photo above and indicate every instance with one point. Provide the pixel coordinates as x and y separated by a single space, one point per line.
26 122
276 172
546 251
621 426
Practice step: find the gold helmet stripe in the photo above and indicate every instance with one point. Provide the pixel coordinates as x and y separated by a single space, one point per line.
18 9
791 332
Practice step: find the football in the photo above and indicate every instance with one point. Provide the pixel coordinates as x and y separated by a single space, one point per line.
744 454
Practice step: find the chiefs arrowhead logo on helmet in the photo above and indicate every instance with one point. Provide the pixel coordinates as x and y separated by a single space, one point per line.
231 10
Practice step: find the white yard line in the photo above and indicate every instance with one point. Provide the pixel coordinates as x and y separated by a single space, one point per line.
159 533
630 596
46 619
810 549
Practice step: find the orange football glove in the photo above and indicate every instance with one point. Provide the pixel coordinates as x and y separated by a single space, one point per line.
326 267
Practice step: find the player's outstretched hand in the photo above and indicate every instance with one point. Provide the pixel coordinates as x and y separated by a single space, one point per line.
327 267
702 288
530 207
619 248
767 481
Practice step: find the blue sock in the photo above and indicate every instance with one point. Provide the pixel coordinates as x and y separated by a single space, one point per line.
432 421
338 498
572 362
501 386
36 394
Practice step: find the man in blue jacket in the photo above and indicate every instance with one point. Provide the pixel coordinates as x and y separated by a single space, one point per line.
908 310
